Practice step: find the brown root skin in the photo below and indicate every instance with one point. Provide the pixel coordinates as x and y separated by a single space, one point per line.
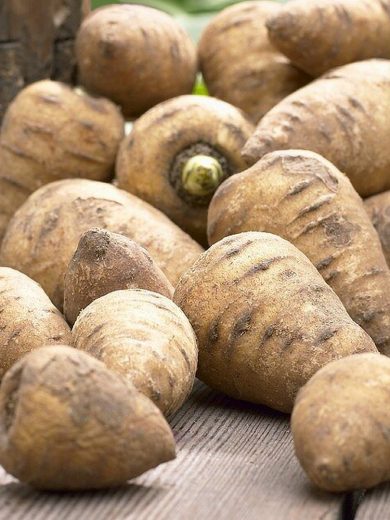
135 55
306 200
28 319
339 117
100 431
51 132
378 209
145 337
252 346
324 34
44 233
151 158
339 424
105 262
240 65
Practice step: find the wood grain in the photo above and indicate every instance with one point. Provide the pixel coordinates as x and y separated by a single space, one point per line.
235 461
37 42
376 504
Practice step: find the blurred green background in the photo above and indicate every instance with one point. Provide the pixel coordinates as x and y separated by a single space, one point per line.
193 14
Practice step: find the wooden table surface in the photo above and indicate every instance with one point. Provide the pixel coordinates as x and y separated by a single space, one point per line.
235 461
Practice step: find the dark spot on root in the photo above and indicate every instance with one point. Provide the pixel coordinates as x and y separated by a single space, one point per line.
385 6
107 48
94 104
50 99
324 263
345 113
36 129
12 398
50 224
15 184
87 124
95 331
238 249
369 315
330 276
162 308
185 357
213 333
240 328
268 334
232 24
145 34
382 342
375 271
316 205
262 266
172 381
287 274
52 311
344 16
167 114
355 103
325 133
233 252
298 188
16 333
338 230
130 142
288 342
326 335
270 160
175 51
57 338
15 150
237 132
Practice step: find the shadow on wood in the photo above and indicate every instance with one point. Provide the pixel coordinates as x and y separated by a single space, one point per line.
235 462
376 504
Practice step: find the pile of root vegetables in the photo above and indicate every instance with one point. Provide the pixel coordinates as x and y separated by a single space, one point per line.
199 244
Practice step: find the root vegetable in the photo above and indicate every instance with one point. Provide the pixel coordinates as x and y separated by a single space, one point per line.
43 234
28 319
179 152
323 34
69 423
340 423
303 198
378 208
340 116
265 319
240 65
135 55
105 262
52 132
145 337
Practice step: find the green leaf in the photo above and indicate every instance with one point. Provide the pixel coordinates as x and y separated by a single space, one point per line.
200 88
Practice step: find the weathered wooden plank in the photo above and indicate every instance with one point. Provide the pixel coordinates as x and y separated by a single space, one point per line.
64 62
36 42
11 77
36 35
67 15
376 504
235 461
